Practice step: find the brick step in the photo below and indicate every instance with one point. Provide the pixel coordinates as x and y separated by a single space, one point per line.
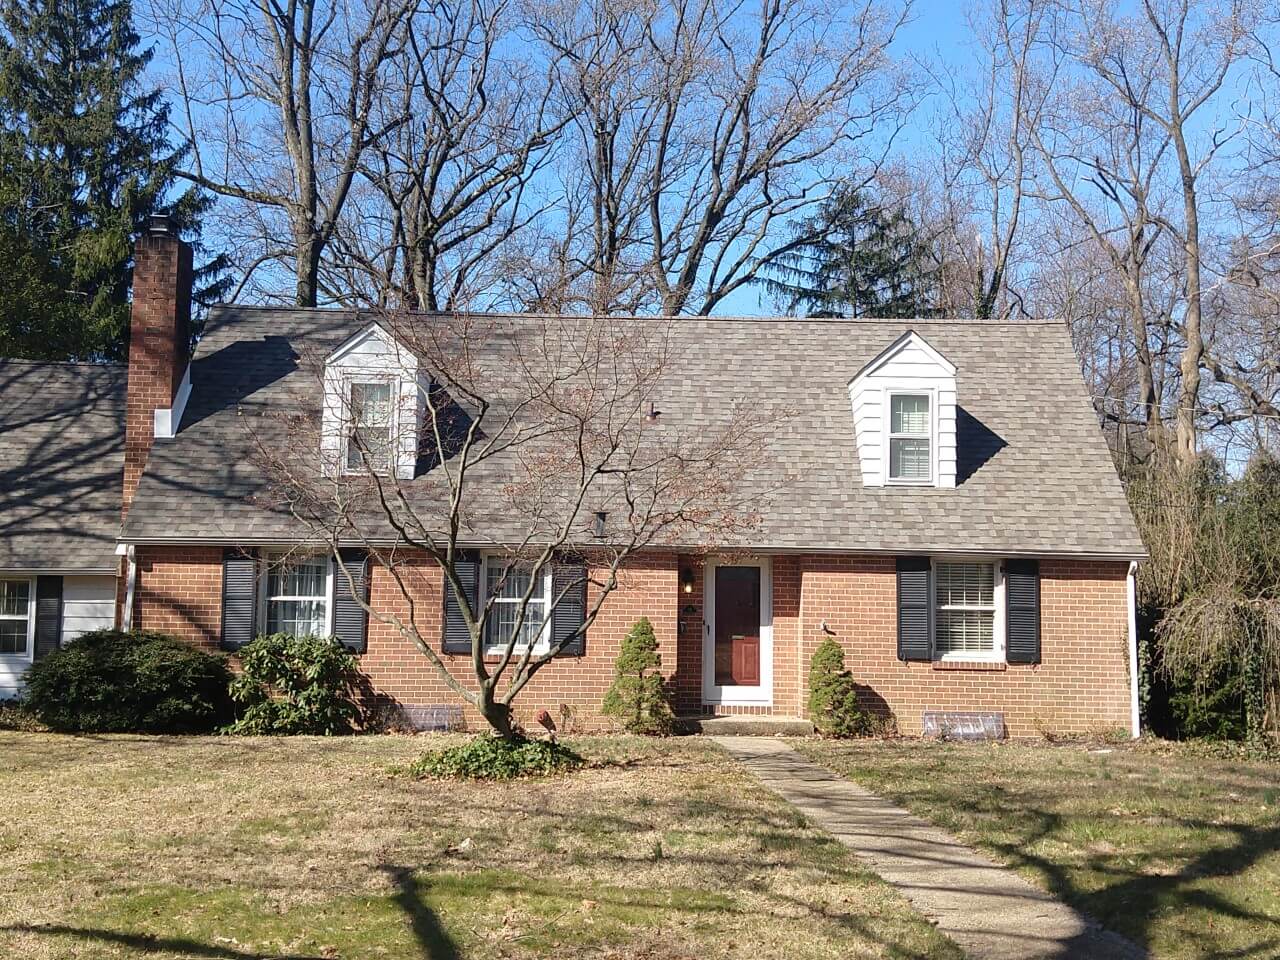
743 725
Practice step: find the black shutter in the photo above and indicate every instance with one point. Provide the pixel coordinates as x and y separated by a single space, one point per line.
457 638
1022 611
48 615
570 613
350 621
239 598
915 608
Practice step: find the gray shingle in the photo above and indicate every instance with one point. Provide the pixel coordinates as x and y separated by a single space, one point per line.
1035 476
61 465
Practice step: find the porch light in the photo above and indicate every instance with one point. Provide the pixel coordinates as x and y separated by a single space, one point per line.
686 580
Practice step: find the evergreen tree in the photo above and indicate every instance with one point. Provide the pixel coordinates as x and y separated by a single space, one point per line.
855 258
833 695
638 696
84 159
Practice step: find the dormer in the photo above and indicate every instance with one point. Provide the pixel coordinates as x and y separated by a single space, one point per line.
373 405
904 415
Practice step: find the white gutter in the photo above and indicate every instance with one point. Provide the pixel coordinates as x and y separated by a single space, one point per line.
1131 582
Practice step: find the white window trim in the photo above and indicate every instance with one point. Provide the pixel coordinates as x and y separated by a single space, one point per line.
543 643
997 653
931 393
30 654
349 379
264 586
712 693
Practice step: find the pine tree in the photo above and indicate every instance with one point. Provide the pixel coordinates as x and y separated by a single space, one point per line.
84 159
638 696
855 258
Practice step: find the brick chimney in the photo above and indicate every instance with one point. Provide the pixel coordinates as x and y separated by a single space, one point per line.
159 343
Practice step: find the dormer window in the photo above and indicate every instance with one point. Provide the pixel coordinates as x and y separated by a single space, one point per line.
910 438
904 416
374 400
369 439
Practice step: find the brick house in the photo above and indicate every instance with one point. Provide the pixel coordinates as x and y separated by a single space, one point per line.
950 515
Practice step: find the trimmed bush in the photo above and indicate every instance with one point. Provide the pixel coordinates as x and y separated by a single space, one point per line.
293 686
833 695
109 681
493 758
638 696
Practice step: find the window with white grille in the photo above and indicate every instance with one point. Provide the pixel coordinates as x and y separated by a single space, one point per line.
910 436
507 584
965 621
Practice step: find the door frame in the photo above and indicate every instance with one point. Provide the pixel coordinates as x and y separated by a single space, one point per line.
758 696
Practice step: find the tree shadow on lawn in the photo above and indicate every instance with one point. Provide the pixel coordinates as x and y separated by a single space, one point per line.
430 936
1131 900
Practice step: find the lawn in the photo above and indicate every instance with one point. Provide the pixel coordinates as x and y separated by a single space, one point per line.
231 849
1165 844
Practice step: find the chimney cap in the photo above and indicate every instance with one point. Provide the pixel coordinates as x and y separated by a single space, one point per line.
161 225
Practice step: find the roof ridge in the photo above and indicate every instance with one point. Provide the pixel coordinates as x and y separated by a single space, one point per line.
95 364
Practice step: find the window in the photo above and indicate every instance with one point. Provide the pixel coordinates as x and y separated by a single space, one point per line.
297 596
966 616
15 617
909 437
507 583
369 440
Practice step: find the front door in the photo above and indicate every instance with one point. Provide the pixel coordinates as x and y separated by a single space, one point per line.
737 621
737 652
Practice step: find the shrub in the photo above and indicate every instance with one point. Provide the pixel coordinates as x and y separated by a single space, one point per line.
294 685
495 758
15 716
109 681
833 695
638 696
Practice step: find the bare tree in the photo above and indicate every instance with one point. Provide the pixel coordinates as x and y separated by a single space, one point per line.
539 439
451 186
277 101
1168 63
702 127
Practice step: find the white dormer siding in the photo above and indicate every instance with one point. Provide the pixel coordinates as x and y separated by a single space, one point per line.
908 368
368 360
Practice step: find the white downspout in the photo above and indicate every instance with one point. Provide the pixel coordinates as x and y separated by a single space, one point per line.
1131 583
130 586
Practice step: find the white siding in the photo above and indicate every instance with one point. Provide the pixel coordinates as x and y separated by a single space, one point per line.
909 365
88 603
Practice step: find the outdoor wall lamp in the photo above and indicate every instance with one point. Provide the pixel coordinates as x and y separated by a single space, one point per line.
686 580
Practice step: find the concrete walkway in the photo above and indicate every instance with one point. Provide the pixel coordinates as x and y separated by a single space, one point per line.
987 909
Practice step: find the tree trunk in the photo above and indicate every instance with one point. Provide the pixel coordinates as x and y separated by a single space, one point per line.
307 268
497 715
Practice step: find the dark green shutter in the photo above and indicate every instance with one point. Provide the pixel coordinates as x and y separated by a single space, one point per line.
350 621
239 598
457 638
48 615
570 613
1022 611
915 608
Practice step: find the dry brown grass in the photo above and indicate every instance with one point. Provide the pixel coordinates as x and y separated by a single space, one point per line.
232 849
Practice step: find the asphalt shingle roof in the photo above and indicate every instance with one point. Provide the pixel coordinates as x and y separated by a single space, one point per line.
61 465
1034 473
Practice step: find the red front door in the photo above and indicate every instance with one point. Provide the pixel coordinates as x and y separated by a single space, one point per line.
737 619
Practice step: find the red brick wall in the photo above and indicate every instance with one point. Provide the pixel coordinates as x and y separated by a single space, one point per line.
1080 686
